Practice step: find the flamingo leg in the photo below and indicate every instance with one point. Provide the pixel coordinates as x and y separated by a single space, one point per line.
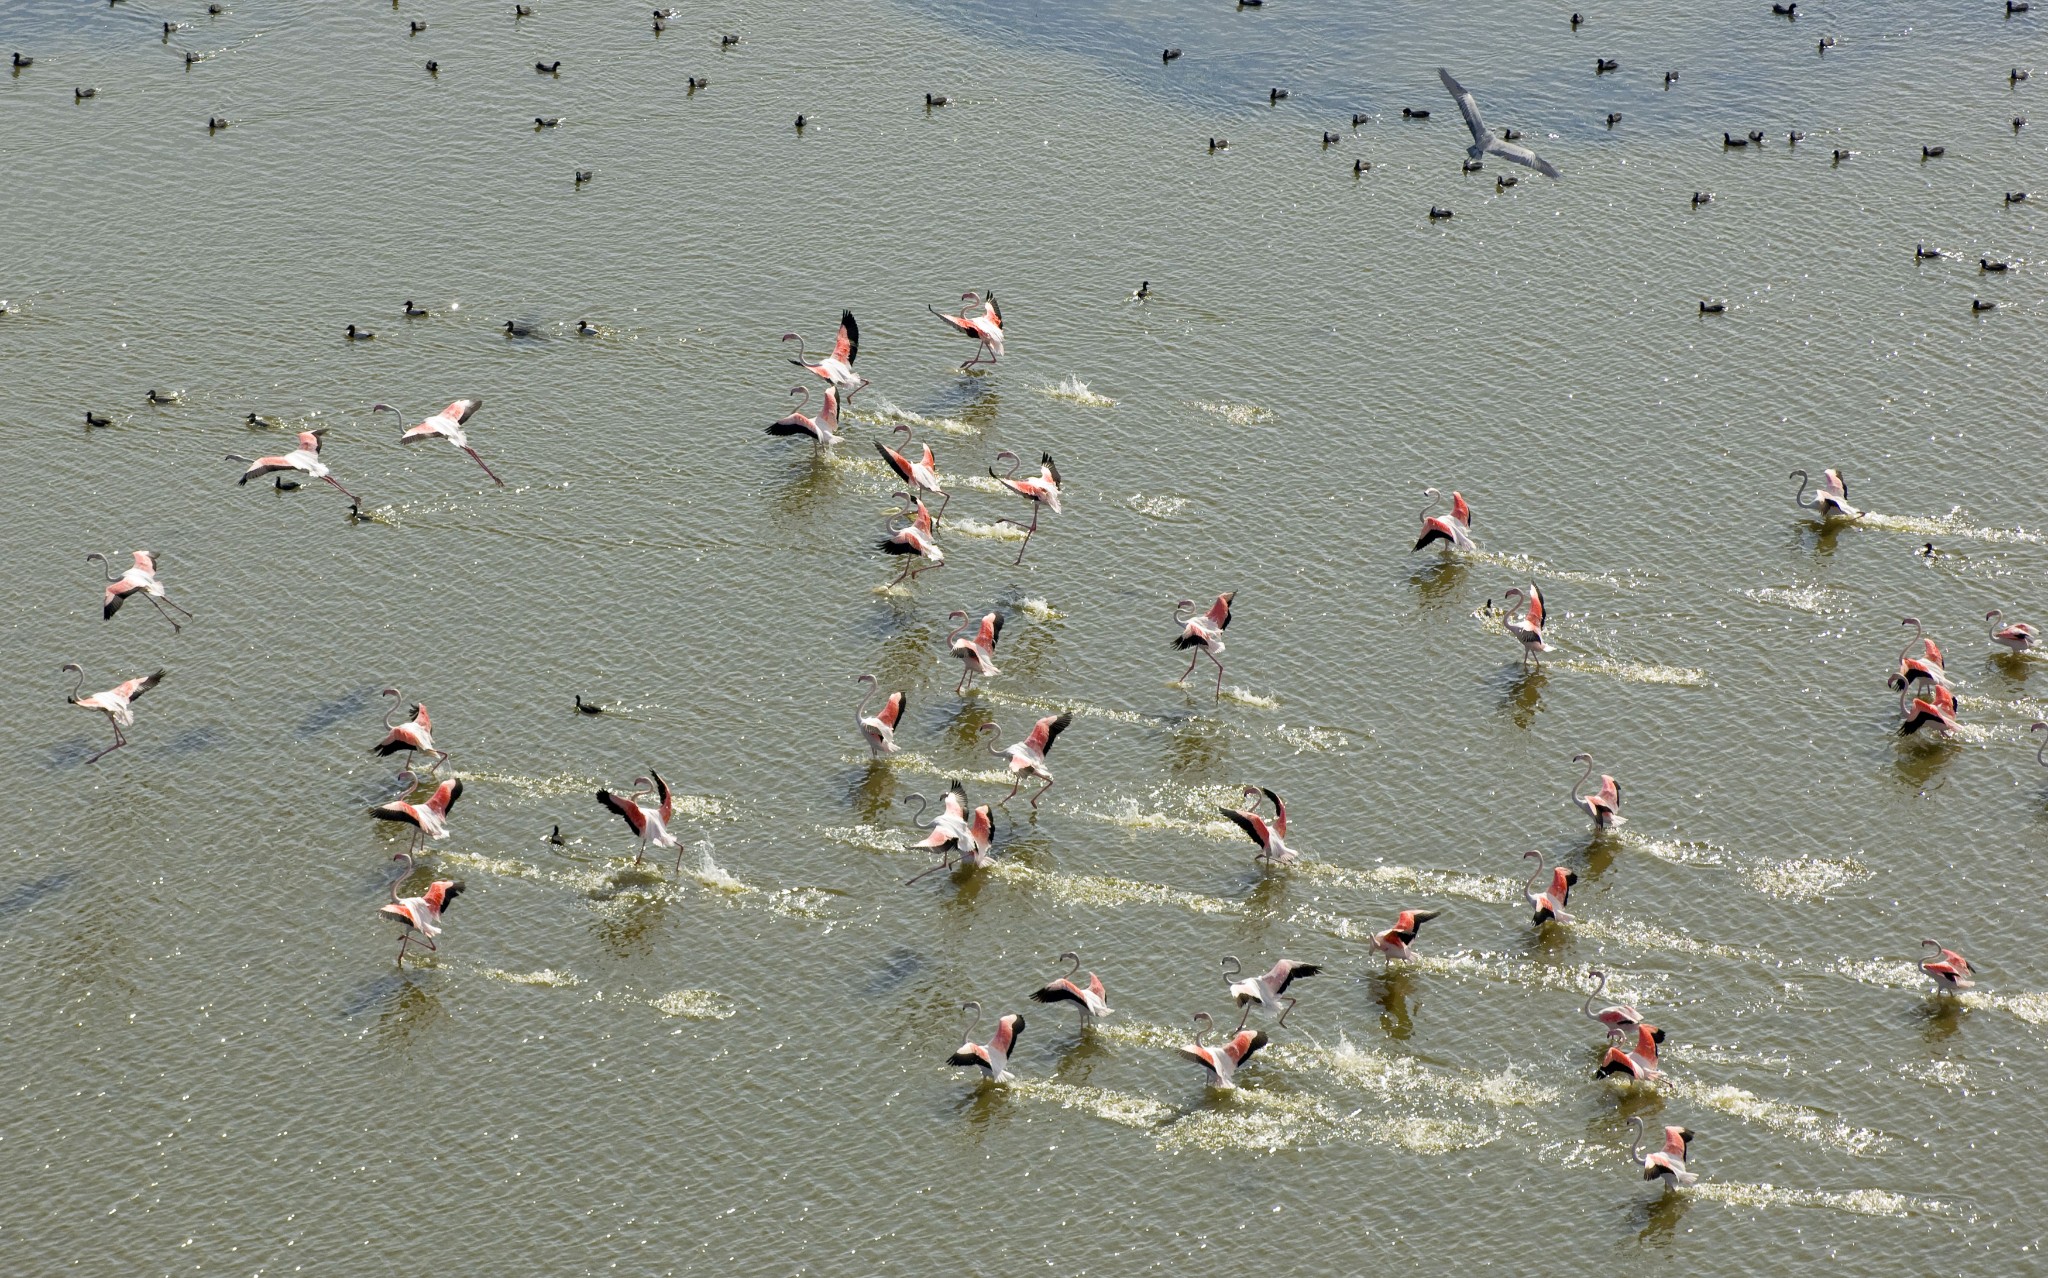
1190 670
679 858
487 470
1041 793
344 492
404 939
1285 1010
1219 673
938 518
119 741
175 628
1014 787
960 688
1242 1016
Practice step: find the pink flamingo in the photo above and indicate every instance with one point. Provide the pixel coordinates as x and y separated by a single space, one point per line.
305 459
1928 665
1527 628
649 823
416 736
1268 989
993 1057
955 829
428 820
823 429
1549 904
916 539
1950 970
1667 1164
922 473
1041 490
879 728
1640 1064
1830 497
1065 989
2018 637
1027 757
1614 1016
1223 1060
836 368
1454 529
141 579
1204 634
1603 804
977 655
1940 713
985 328
1271 837
117 702
447 424
420 914
1396 940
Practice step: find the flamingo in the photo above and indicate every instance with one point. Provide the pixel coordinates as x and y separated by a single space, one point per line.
1950 970
1271 838
1268 989
879 728
1927 666
117 702
141 578
1940 712
1830 497
419 914
305 459
955 829
428 820
1064 989
922 473
985 328
447 424
413 736
1027 757
836 368
917 539
1223 1060
1604 804
993 1057
2018 637
1640 1064
1394 942
1204 634
1667 1164
1549 904
1527 628
1042 490
2041 754
1454 529
977 655
823 429
649 823
1615 1016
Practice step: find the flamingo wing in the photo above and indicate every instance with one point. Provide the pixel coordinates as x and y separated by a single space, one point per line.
1279 812
445 795
442 893
991 630
794 424
993 314
1008 1027
846 346
264 466
668 798
896 461
1046 731
971 1054
1245 1044
133 689
1219 612
462 410
1459 510
398 810
1835 483
626 808
1561 881
1535 613
1251 823
426 430
1062 990
892 711
117 594
964 326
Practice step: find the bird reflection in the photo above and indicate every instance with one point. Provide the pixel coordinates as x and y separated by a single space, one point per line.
412 1007
1941 1016
1660 1217
1436 583
627 917
1392 988
1522 693
1195 744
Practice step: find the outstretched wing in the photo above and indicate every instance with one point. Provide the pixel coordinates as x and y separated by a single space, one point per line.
1047 730
668 798
625 808
1253 825
994 313
991 630
847 345
1469 108
1519 154
1219 612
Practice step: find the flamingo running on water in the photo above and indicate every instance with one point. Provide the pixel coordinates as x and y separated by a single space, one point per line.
1041 490
977 655
1549 904
2018 637
1950 970
823 429
836 368
1027 757
1916 713
880 727
993 1057
305 459
140 579
1528 627
1396 940
1064 989
446 424
1268 989
1222 1061
649 823
414 736
428 820
985 328
1603 804
1613 1016
916 539
1640 1064
1667 1164
117 702
1204 634
1271 837
1927 666
955 829
922 473
419 915
1830 496
1453 529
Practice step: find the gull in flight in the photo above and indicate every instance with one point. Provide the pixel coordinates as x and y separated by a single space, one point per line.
1484 142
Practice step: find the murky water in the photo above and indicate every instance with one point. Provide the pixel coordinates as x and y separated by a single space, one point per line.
736 1065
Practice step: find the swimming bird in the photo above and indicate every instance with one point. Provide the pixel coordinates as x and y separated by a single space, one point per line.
1613 1016
1396 940
414 736
1414 113
160 398
547 122
513 328
549 68
1437 213
1613 118
584 328
799 122
1841 155
305 459
1143 291
1223 1060
1577 18
355 334
1756 136
447 424
936 100
2018 637
2019 122
1727 140
649 824
97 419
837 367
1359 167
1670 78
728 41
1922 253
117 702
1640 1063
993 1057
1830 497
915 538
415 312
521 11
1041 490
985 328
2015 197
1219 144
1484 143
1939 712
1165 55
428 820
697 82
2016 6
1979 304
977 655
1933 152
1027 758
922 473
1986 265
584 175
1604 804
880 727
418 27
1928 665
1786 10
586 707
823 429
1453 529
1667 1164
215 123
79 95
1358 118
1549 904
1702 197
21 62
1500 183
1270 836
419 915
1471 166
1527 628
433 68
139 579
1065 989
1269 988
1204 634
1601 66
1950 970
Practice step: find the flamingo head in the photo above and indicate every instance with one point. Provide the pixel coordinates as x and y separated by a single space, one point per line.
1582 757
1181 607
1231 967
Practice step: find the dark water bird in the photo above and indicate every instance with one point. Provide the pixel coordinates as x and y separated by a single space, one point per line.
2015 6
1511 135
20 62
355 334
585 707
668 13
1613 118
659 26
1979 304
799 123
2015 197
1219 144
1756 136
1411 113
1933 152
697 82
433 68
522 11
1713 308
1358 118
215 10
1484 143
727 41
1359 166
1985 264
549 68
1143 291
1331 139
513 328
261 422
555 837
1577 18
1601 66
1277 95
169 27
1471 166
546 122
1925 254
2018 74
1794 138
156 396
584 328
1251 4
1670 78
1786 10
95 419
2019 122
937 100
418 27
79 95
1437 214
215 123
1702 197
414 312
1168 55
1728 139
1503 183
1841 155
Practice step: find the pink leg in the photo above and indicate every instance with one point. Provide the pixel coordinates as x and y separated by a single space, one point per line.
1219 674
1041 794
1191 667
119 741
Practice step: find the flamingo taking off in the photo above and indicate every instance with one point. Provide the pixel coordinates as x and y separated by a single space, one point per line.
955 829
1603 804
1928 665
650 824
1204 634
823 429
2018 637
993 1057
117 702
922 473
140 579
1222 1061
419 915
413 736
1041 490
985 328
447 424
917 539
977 655
880 727
1065 989
1269 988
1640 1064
1830 496
836 368
1614 1016
1939 713
1453 529
1394 942
1027 757
305 459
1667 1164
1549 904
1270 836
1950 970
428 820
1528 627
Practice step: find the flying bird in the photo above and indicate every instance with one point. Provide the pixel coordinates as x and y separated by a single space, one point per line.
977 655
117 702
428 820
1203 633
1603 804
1027 757
1269 988
837 367
414 736
1484 143
1453 529
305 459
1830 497
1950 970
1065 989
1222 1061
1549 904
1271 837
985 328
1396 940
649 823
447 424
140 579
823 429
1041 490
1667 1164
